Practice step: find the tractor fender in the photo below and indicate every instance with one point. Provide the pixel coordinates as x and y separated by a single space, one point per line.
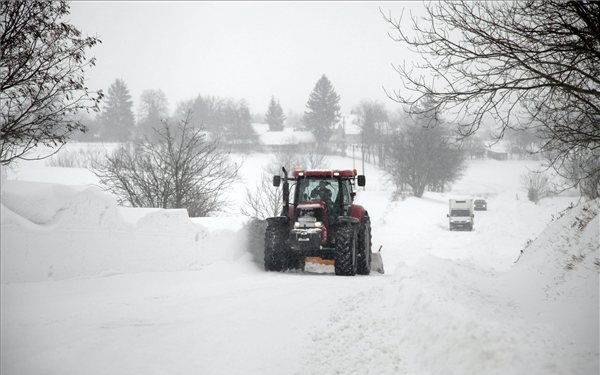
356 211
348 220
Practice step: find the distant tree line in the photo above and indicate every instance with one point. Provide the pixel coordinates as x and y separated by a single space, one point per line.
419 156
532 67
223 118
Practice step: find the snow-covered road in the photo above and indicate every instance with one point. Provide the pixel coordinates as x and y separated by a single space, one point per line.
449 303
225 318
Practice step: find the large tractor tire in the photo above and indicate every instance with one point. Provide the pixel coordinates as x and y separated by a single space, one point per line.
297 263
276 254
363 255
345 251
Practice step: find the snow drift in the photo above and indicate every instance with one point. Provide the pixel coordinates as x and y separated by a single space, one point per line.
57 232
441 316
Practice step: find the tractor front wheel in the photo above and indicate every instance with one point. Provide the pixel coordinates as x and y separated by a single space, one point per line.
276 257
345 251
363 256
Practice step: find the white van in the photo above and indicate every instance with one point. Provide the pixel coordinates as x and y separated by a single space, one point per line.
461 214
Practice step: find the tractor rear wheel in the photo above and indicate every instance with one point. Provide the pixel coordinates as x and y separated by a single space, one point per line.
363 256
276 257
345 251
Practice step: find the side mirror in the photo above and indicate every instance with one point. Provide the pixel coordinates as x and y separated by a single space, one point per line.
361 180
276 181
447 215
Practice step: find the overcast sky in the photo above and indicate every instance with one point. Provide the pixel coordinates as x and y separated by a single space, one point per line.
244 50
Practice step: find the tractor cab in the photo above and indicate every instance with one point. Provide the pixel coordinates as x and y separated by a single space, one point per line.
332 194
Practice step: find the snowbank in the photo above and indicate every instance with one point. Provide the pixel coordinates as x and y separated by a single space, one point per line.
52 231
441 316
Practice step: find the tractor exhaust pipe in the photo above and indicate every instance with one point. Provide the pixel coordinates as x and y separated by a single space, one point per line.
286 193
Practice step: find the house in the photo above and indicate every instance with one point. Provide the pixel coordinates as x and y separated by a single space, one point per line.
497 150
285 140
352 132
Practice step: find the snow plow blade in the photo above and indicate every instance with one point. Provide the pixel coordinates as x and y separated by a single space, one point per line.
377 261
319 260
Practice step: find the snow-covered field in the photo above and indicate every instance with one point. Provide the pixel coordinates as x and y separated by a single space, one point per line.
92 288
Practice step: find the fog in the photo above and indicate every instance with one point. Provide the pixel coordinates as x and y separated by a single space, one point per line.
244 50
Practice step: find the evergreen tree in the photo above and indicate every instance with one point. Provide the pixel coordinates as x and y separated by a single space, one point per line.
275 116
323 110
235 118
117 120
153 110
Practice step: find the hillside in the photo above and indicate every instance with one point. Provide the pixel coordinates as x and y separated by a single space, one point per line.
84 281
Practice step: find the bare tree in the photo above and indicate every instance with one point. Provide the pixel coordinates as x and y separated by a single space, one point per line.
374 123
176 168
42 64
578 166
264 201
422 155
537 184
528 64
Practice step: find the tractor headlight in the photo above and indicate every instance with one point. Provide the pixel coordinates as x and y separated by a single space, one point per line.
307 224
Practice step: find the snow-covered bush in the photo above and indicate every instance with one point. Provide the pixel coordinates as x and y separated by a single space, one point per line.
537 184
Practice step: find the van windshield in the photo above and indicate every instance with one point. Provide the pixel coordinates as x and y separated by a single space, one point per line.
460 213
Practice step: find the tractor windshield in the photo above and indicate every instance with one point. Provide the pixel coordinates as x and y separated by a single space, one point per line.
325 189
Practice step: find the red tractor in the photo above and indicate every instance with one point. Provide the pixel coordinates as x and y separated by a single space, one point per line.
321 221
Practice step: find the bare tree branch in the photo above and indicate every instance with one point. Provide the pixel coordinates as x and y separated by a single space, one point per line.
42 65
528 64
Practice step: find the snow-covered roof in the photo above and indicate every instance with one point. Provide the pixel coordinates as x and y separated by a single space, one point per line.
286 136
500 146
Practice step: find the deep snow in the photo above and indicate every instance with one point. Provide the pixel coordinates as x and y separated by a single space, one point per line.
90 287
